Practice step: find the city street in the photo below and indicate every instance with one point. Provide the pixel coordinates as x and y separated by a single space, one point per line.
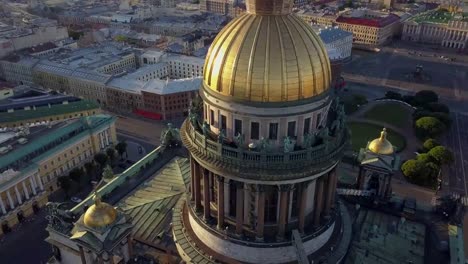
26 243
457 141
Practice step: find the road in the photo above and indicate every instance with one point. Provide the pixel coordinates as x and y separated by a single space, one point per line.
26 243
455 177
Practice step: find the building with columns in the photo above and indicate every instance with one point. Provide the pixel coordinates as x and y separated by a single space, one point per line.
378 162
264 140
33 158
437 27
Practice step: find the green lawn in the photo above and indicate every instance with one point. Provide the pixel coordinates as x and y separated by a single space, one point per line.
364 132
391 113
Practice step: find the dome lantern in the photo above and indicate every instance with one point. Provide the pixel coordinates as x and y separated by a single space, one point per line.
269 7
381 145
99 214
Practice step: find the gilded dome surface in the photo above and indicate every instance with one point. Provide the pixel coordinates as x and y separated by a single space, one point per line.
99 214
267 55
381 145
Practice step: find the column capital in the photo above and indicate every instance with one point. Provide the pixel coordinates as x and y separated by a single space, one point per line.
259 188
285 187
239 185
219 178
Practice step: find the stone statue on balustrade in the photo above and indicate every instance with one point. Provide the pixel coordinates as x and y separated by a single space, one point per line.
264 145
221 136
170 136
336 104
310 139
239 140
205 128
288 145
193 117
196 105
59 218
336 127
324 135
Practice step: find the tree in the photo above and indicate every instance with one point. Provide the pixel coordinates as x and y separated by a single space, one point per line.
65 183
421 171
393 95
429 127
430 144
111 154
424 157
438 107
409 99
76 174
441 155
101 159
425 97
121 148
443 117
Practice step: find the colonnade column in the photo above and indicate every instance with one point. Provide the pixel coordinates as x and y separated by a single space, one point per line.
192 180
12 205
220 182
239 207
206 194
283 210
302 206
18 196
82 255
318 201
330 192
33 186
2 205
39 180
335 182
260 212
361 179
196 176
26 192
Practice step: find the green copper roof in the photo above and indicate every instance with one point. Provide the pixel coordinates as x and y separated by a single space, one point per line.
150 206
43 111
89 124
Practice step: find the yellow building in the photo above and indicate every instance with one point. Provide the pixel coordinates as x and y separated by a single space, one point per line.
370 28
33 158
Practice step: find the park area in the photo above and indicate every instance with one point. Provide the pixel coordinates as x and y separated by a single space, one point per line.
395 114
365 132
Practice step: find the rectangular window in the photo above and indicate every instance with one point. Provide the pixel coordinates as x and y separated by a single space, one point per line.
319 116
292 129
211 117
307 125
223 122
254 130
273 131
237 127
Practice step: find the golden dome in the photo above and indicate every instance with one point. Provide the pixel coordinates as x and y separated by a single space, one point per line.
267 55
381 145
99 214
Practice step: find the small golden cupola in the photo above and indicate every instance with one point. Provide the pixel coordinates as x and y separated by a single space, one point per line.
381 145
99 214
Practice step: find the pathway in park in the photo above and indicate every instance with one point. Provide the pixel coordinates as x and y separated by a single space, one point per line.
412 142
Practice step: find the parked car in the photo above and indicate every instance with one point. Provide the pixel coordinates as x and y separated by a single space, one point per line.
76 200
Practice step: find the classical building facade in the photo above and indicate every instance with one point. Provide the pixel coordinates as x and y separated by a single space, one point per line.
264 139
437 27
34 158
